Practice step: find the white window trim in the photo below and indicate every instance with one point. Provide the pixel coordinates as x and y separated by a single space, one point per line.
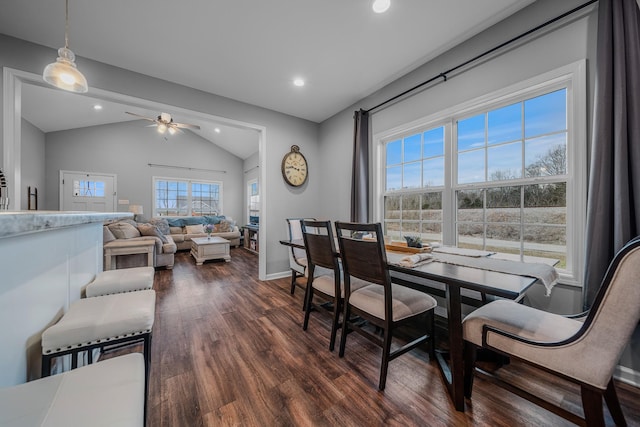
189 182
574 76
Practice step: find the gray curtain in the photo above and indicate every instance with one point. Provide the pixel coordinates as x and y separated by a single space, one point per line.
613 208
360 169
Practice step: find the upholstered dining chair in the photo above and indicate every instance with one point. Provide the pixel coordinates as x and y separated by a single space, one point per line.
381 304
297 256
324 293
583 351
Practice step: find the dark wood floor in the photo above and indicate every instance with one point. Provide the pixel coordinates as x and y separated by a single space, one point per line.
229 350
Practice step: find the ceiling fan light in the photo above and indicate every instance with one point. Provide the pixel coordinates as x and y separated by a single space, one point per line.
162 128
64 74
172 130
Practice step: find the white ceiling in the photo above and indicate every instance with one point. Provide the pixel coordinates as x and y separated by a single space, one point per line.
251 50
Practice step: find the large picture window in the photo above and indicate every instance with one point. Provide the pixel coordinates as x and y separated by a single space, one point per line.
176 197
503 173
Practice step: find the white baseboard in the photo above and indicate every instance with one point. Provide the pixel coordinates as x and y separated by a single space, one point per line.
280 275
627 376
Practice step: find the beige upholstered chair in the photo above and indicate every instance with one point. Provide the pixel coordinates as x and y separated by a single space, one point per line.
325 292
297 256
583 351
381 304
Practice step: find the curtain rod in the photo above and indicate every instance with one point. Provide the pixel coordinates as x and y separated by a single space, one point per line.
443 75
155 165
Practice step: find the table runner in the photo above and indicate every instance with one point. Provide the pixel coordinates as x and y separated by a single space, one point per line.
543 272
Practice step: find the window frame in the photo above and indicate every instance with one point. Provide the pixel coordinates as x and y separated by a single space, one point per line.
573 78
188 182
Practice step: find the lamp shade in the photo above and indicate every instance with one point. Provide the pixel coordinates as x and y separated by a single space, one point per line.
136 209
64 74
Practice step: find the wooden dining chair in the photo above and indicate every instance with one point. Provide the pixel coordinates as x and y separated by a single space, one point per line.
324 291
584 351
384 305
297 256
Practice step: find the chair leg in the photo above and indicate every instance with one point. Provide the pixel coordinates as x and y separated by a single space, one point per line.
611 397
469 352
294 276
334 324
592 406
386 350
147 368
345 329
308 295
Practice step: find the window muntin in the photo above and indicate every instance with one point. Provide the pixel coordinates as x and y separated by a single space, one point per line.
178 197
509 186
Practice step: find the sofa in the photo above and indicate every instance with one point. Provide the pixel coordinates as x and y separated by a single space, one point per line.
121 235
183 229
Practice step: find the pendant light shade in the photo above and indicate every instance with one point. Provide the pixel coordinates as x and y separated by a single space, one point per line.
63 73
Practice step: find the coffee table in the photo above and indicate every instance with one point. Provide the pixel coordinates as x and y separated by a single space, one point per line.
206 248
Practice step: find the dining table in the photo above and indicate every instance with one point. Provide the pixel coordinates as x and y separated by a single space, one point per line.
452 279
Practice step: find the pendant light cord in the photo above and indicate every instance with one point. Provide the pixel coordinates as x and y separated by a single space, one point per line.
66 25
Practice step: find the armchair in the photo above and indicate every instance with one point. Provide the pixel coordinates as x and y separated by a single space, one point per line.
583 352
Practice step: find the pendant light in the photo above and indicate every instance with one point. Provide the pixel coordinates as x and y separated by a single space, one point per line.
63 73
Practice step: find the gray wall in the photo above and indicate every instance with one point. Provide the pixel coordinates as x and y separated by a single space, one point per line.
33 164
282 131
125 149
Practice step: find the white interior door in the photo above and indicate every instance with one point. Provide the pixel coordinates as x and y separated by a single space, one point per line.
86 191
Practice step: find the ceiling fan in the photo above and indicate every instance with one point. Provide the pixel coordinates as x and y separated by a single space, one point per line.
164 123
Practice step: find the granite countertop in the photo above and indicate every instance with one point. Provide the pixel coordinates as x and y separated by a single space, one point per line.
14 223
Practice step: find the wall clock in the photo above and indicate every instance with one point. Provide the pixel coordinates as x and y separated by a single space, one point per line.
294 167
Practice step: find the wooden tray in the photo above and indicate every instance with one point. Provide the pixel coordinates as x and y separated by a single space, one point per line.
402 247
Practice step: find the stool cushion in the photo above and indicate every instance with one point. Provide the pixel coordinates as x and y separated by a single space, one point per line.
101 319
124 280
109 393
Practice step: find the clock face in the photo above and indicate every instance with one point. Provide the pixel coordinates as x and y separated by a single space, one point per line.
294 168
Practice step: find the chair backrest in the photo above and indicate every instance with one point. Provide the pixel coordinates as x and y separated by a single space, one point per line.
363 253
319 245
294 226
614 314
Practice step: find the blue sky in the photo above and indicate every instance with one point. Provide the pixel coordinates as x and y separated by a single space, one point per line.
501 139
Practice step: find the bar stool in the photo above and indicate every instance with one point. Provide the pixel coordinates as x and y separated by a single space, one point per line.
119 281
106 393
92 323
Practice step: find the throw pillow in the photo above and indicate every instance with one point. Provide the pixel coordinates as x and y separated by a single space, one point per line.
194 229
224 226
124 230
107 235
162 224
152 230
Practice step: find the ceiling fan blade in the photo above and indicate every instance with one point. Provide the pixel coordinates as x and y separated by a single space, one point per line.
139 116
186 125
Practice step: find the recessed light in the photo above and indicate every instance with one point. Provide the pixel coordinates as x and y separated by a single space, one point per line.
217 130
381 6
298 82
97 107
